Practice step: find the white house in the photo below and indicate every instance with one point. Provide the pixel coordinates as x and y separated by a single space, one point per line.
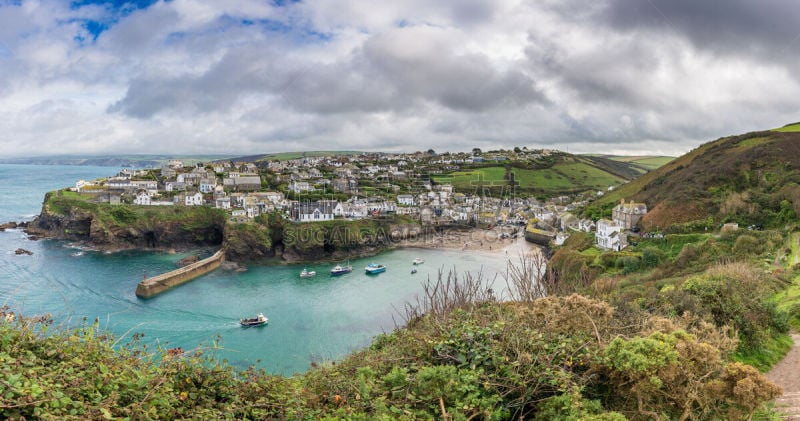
207 185
300 186
194 199
610 235
406 200
586 225
142 198
312 211
83 184
171 186
223 202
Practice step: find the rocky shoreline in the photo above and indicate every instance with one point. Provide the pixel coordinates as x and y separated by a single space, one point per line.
286 243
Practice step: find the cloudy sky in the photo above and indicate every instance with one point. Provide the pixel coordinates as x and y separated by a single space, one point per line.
251 76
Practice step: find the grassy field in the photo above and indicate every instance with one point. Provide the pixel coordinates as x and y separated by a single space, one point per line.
646 162
562 177
465 180
788 128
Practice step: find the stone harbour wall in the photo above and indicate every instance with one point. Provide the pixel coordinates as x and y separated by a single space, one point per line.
158 284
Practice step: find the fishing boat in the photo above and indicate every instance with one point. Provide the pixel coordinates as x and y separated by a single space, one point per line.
307 273
374 268
259 320
341 270
418 261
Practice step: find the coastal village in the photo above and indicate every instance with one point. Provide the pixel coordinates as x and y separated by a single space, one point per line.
311 189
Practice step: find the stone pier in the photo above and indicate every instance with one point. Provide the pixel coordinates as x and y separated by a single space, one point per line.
158 284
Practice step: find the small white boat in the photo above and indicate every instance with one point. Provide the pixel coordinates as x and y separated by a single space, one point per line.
259 320
418 261
307 273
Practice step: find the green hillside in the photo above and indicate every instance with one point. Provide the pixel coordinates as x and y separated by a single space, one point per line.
748 179
648 163
792 127
559 174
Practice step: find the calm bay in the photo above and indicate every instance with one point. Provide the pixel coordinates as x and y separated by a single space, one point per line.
311 320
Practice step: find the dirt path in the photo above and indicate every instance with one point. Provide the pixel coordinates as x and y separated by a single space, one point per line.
785 374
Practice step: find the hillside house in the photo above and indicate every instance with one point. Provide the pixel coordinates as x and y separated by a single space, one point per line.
586 225
207 185
168 172
83 185
312 211
222 203
242 183
628 214
194 199
345 185
610 235
142 198
300 186
406 200
171 186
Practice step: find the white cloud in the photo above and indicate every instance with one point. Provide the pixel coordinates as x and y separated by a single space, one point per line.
245 77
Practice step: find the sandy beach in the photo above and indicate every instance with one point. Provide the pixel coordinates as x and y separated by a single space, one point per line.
495 241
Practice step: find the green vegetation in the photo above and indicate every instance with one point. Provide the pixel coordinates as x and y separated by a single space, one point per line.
551 176
750 179
647 162
138 225
792 127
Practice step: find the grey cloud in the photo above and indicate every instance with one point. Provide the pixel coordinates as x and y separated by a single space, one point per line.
461 82
142 32
618 73
375 78
473 11
767 28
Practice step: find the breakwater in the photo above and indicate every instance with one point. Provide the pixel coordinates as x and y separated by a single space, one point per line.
158 284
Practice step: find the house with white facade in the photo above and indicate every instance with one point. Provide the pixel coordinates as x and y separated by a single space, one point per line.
222 202
207 185
300 186
194 199
171 186
312 211
610 235
406 200
142 198
586 225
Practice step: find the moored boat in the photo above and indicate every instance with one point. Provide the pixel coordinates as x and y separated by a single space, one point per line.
307 273
341 270
374 268
259 320
418 261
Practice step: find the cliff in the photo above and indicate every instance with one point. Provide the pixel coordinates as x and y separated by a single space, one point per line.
269 236
67 216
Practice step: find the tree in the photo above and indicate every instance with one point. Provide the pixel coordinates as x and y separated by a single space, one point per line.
431 152
476 151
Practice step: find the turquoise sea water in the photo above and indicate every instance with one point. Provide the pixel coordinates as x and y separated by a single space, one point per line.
311 320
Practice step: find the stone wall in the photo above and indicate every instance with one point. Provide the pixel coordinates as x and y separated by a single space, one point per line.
158 284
